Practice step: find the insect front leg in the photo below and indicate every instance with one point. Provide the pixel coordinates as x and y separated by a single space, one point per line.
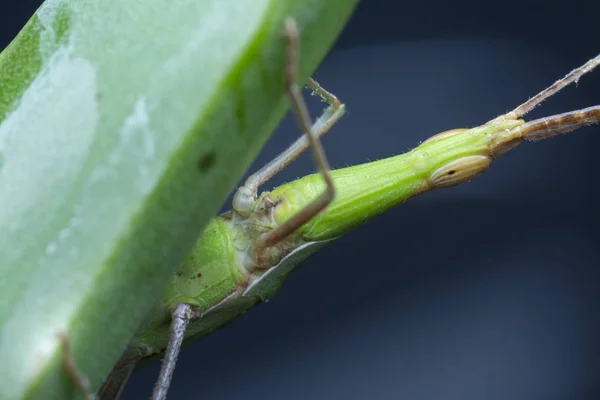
114 384
553 125
246 195
301 111
571 77
549 126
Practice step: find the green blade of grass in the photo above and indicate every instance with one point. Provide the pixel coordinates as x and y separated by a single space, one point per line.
123 126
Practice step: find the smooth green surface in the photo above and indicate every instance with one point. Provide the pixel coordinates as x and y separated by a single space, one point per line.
367 190
210 275
123 126
210 278
211 265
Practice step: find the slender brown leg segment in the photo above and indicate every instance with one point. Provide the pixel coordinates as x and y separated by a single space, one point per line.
79 380
330 116
301 112
561 123
571 77
246 195
180 319
114 384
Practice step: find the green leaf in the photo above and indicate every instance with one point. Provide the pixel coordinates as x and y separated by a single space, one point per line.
123 126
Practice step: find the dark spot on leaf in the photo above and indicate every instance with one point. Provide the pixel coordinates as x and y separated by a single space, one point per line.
197 276
206 161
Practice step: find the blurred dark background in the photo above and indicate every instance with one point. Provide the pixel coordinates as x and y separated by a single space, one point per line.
489 290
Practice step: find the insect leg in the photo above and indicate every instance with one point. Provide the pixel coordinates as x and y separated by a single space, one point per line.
571 77
301 112
180 318
561 123
114 384
246 195
331 115
79 380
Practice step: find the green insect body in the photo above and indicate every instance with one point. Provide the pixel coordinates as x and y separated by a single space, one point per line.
226 273
244 255
367 190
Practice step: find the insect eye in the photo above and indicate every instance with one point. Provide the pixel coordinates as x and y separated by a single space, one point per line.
459 171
